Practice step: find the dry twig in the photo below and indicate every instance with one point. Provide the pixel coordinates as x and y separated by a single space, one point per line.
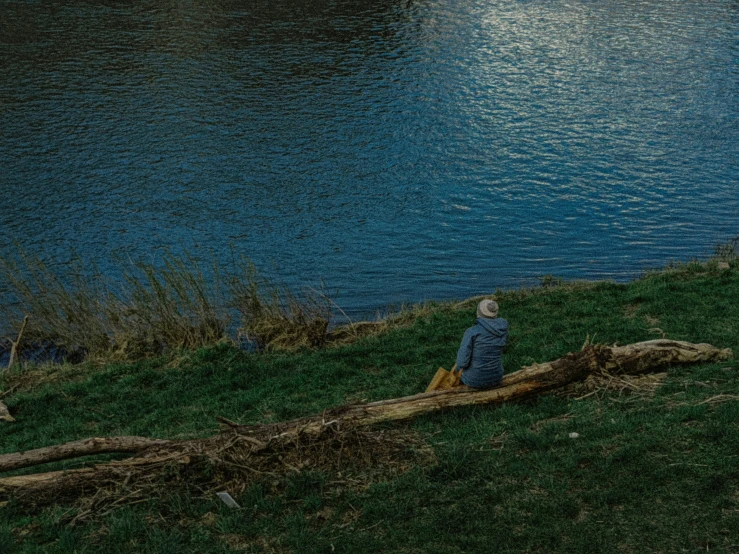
15 349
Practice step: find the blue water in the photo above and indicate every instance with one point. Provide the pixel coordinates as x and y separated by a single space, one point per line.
398 150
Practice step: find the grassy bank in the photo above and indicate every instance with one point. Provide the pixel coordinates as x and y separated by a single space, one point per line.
653 469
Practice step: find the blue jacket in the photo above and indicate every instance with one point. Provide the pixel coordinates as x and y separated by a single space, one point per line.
481 353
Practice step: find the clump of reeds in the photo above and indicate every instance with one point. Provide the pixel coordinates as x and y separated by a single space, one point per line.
151 310
154 308
72 309
171 306
273 317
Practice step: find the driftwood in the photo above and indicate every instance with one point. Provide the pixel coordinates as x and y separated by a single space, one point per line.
243 446
76 449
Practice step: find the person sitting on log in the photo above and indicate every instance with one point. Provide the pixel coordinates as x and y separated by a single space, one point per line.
480 356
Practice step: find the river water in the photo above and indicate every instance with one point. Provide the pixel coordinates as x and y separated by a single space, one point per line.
398 150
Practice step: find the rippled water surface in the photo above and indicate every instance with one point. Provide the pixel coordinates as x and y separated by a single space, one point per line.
399 150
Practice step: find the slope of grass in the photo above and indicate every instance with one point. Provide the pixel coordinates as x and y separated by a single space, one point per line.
646 473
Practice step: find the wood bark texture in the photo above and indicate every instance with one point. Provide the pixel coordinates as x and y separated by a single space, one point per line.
75 449
630 359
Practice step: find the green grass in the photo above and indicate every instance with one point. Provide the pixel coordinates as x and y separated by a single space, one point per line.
647 473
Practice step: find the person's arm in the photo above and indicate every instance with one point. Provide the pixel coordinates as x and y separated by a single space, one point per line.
464 355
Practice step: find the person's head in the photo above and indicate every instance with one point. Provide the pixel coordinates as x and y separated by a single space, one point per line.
488 309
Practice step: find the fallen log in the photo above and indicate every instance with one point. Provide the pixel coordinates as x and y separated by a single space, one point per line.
75 449
248 446
631 359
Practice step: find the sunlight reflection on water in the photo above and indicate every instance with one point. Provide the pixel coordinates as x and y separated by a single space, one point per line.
398 150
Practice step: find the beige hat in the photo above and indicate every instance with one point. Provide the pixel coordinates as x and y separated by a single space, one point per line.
487 308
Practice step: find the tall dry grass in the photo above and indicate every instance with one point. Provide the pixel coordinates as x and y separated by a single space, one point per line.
154 308
71 308
172 305
273 317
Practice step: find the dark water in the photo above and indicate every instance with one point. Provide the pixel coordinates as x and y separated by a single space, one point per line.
399 150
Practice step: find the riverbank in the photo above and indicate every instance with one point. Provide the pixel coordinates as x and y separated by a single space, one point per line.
652 467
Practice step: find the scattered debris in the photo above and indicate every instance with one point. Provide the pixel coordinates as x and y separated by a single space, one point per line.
601 384
230 460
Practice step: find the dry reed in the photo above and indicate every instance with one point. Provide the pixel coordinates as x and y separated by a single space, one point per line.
155 308
273 317
152 309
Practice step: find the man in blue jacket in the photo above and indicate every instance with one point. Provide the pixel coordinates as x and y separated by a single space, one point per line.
480 356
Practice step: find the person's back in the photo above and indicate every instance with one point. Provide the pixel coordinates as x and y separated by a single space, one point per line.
480 355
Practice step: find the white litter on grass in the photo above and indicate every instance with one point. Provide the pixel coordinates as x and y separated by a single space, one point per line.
574 435
227 499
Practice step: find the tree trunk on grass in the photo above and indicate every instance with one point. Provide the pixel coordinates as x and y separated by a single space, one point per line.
531 380
75 449
632 359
